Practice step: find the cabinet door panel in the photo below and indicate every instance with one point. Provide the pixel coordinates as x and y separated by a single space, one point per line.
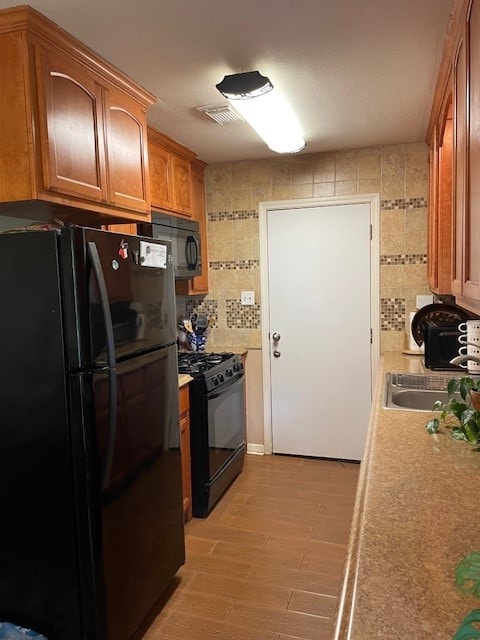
159 164
182 185
471 263
71 127
126 152
460 127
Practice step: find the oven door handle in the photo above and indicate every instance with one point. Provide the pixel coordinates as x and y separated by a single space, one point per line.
226 387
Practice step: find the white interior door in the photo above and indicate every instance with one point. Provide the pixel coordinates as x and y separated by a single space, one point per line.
319 291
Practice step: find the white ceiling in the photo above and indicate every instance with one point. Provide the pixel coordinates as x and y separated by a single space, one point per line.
358 73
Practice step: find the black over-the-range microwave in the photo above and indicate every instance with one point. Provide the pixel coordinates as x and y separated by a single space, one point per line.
185 238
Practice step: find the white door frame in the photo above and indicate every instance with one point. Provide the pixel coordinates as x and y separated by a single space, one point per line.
373 199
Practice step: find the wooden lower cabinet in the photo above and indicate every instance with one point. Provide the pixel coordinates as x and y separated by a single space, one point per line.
184 405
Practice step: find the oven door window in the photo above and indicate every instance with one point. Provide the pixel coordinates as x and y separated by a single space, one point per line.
226 424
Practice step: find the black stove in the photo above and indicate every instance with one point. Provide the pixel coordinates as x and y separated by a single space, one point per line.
217 424
215 369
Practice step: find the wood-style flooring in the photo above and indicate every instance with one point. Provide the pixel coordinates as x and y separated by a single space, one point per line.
267 562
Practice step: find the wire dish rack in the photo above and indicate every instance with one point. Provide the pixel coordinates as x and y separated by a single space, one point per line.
435 382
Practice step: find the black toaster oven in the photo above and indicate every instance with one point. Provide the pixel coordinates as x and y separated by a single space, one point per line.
441 344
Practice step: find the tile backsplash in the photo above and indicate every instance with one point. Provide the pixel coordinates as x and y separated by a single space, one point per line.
399 173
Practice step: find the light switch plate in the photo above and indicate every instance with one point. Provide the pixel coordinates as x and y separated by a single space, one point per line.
247 297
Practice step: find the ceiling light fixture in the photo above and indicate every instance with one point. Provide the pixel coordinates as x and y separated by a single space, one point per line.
266 110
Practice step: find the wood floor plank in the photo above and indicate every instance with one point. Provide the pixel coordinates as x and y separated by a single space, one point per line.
226 534
183 626
291 559
204 604
275 621
313 604
323 584
311 547
276 596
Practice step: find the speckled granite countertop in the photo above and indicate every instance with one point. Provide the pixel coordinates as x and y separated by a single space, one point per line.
416 516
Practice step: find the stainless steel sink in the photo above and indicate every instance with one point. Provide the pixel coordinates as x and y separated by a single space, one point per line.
414 392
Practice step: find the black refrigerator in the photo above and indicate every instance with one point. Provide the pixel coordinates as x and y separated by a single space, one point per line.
90 470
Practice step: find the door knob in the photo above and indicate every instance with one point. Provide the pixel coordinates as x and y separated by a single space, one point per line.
276 337
276 353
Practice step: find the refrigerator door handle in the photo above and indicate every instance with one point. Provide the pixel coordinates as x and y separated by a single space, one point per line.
112 374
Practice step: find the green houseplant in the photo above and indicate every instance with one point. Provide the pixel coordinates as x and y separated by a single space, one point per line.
461 412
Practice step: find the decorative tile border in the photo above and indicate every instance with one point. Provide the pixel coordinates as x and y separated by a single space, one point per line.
240 316
243 214
401 203
392 314
234 265
414 258
207 308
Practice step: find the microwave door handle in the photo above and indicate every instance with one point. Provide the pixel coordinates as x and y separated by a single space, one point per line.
112 376
191 252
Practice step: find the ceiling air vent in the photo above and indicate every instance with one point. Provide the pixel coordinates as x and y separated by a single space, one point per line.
223 114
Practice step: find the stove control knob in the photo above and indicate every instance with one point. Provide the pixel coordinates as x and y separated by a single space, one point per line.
220 378
238 366
229 373
215 381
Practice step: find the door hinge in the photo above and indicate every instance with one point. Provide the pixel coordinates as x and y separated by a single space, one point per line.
371 232
371 335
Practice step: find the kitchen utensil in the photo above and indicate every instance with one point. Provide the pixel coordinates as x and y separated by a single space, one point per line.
202 324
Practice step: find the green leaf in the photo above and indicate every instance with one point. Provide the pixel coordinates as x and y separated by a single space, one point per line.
457 434
452 386
467 574
432 426
470 627
437 405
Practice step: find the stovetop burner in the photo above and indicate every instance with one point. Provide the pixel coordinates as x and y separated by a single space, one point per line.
196 362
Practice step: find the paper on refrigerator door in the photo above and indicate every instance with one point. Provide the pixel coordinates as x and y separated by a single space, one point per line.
153 255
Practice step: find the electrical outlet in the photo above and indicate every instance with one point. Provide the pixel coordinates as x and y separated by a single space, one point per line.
247 297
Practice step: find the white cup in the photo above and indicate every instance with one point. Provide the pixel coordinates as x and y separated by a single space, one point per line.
470 326
470 349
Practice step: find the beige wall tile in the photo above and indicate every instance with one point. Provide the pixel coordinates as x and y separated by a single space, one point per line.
241 175
260 195
369 186
416 234
393 186
346 188
392 232
370 166
282 192
260 174
391 276
302 191
323 169
323 189
222 201
346 168
392 340
415 275
241 200
282 172
302 171
219 176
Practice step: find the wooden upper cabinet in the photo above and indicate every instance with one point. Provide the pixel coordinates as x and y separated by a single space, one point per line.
170 171
77 127
127 155
160 176
70 117
471 223
460 140
440 211
182 185
199 284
